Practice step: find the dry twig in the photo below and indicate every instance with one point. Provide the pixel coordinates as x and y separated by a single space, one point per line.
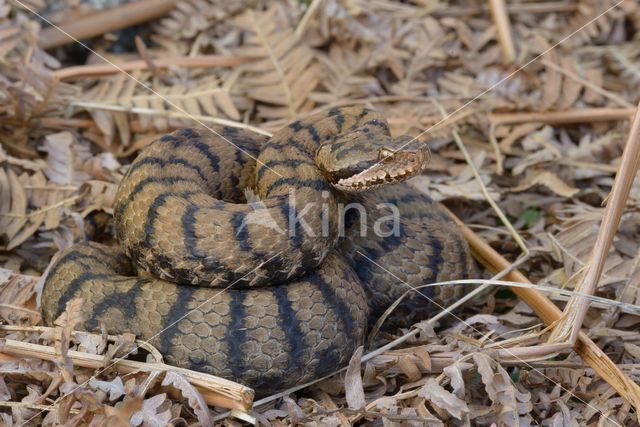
103 22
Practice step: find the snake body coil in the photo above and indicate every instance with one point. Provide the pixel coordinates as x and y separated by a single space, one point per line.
273 292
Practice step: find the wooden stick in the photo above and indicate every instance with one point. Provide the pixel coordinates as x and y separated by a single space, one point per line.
501 20
202 61
591 354
104 22
585 115
576 309
216 391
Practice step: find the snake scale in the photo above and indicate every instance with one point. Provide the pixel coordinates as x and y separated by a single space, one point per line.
275 289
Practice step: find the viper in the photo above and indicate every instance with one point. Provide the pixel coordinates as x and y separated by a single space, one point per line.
263 260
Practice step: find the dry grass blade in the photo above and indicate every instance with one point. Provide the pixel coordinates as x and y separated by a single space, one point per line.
569 327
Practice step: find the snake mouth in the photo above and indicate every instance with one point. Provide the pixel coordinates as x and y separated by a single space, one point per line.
396 168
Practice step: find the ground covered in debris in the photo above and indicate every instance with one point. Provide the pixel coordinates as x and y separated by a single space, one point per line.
525 106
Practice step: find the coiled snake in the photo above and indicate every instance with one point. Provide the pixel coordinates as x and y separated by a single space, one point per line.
285 283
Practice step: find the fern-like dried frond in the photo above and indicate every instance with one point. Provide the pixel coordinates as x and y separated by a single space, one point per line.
345 75
287 71
626 61
114 102
203 20
592 25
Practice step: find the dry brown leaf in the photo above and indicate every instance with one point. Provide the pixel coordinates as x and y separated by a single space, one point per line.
570 88
114 388
632 349
514 134
189 392
464 186
154 412
90 343
549 180
65 157
124 345
294 411
409 368
437 395
552 88
5 394
501 390
99 195
16 298
66 322
121 414
454 372
354 391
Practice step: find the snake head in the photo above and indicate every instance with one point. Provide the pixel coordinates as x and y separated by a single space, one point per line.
361 160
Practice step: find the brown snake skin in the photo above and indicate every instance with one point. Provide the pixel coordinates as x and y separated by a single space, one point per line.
271 309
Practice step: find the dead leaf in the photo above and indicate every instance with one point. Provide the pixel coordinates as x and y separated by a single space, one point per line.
115 387
501 390
154 412
443 399
189 392
66 323
353 382
5 394
549 180
454 373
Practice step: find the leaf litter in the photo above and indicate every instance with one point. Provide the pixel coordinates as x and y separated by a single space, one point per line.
67 143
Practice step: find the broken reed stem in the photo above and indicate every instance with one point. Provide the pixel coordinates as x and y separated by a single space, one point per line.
215 391
501 21
583 115
586 83
105 21
576 309
591 354
201 61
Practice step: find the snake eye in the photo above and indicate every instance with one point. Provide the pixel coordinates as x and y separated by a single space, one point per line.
385 153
